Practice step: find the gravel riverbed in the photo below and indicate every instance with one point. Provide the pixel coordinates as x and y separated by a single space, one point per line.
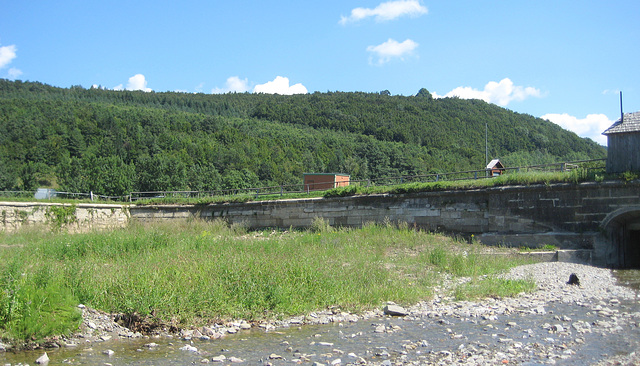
596 322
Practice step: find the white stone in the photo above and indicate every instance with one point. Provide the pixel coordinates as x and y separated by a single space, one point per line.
43 360
188 348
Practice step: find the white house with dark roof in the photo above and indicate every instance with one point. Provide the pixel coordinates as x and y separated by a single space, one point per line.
623 140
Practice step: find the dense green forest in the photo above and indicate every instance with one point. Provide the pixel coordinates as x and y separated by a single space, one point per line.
114 142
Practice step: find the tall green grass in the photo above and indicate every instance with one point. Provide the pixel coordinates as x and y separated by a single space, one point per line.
524 178
192 272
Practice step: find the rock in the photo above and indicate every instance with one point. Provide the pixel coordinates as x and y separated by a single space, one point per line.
573 280
43 360
557 328
151 345
235 360
274 356
337 361
188 348
108 352
220 358
395 310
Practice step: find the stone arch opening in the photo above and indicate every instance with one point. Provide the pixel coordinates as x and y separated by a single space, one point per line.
622 228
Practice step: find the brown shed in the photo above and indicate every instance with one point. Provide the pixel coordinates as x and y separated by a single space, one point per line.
322 181
495 168
623 140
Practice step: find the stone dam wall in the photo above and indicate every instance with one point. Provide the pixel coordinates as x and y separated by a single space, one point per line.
80 217
568 216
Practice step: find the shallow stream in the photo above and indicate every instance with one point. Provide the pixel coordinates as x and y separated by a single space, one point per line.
517 338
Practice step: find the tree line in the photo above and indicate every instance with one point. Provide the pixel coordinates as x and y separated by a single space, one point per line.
115 142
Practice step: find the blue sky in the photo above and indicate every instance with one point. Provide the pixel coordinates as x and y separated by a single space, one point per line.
561 60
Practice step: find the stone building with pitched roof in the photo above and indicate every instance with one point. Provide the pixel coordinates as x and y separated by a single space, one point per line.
623 140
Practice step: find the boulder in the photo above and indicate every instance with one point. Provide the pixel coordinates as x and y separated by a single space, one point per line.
395 310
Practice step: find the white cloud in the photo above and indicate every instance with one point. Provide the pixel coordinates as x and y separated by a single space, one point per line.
501 93
392 49
233 85
14 73
386 11
136 82
592 126
280 85
7 54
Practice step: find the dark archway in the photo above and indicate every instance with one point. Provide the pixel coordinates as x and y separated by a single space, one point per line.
622 228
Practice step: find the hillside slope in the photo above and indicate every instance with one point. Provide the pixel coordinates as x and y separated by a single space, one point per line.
113 142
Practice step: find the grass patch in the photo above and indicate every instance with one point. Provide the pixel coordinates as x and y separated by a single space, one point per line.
195 272
490 286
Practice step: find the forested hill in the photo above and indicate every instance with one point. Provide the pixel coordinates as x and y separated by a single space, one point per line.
114 142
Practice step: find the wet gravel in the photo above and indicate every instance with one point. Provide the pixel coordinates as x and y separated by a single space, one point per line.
597 322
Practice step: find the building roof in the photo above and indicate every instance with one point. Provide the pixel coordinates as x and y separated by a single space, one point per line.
340 174
495 163
630 123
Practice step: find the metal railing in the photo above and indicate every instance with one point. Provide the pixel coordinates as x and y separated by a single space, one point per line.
281 190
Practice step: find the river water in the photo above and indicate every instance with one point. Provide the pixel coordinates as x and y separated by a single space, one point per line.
404 341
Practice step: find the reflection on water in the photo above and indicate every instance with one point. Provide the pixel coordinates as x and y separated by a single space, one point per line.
628 277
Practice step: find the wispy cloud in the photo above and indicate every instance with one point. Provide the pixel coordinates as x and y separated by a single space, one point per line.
610 91
501 93
391 49
280 85
591 126
233 85
386 11
14 73
136 82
